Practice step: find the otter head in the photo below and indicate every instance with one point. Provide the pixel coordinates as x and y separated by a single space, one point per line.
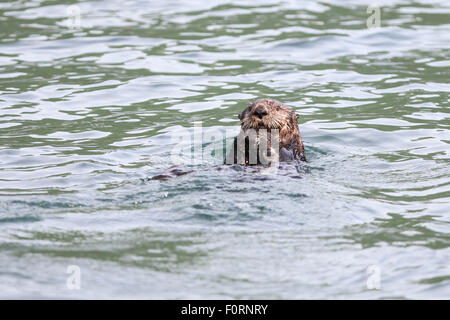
280 122
268 114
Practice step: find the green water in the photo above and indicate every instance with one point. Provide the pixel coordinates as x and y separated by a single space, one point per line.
89 108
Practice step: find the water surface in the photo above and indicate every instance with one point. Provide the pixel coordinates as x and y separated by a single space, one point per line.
89 107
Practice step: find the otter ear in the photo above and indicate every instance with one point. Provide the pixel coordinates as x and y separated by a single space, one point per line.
296 116
242 114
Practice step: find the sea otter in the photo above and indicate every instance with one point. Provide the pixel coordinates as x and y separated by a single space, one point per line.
261 122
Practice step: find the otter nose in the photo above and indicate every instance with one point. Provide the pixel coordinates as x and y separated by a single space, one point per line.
260 112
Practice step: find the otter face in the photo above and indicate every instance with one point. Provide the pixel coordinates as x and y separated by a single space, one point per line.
267 114
280 122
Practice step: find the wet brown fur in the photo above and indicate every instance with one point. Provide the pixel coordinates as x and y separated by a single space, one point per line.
273 115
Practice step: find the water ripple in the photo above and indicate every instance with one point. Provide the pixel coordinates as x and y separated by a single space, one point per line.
88 114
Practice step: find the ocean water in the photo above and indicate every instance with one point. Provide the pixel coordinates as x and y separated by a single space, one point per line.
96 97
